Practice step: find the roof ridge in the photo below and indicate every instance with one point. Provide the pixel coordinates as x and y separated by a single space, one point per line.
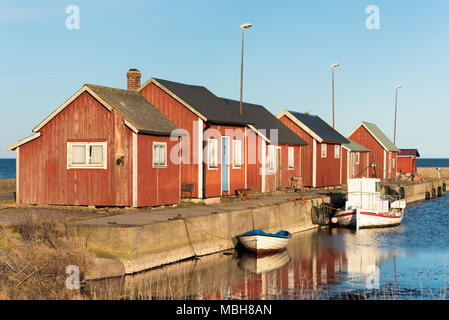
111 88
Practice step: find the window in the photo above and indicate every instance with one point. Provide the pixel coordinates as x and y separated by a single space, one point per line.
237 153
212 157
159 155
291 158
85 155
323 150
271 158
337 152
357 157
392 163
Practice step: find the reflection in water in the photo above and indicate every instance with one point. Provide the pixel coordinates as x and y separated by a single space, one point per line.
404 262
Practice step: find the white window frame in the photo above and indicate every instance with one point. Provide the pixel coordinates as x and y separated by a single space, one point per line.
272 158
159 145
324 148
392 163
214 155
87 164
237 154
337 151
291 158
357 157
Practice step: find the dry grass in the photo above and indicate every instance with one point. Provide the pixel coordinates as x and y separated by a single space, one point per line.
34 258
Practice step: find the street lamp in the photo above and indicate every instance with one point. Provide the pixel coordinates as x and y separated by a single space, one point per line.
333 66
396 109
243 27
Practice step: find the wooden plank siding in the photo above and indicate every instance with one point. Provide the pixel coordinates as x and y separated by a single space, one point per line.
361 170
185 119
378 155
44 177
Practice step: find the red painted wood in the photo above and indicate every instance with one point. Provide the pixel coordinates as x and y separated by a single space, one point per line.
44 177
406 164
364 138
157 186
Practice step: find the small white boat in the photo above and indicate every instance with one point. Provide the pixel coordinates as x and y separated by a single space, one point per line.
367 208
258 264
261 242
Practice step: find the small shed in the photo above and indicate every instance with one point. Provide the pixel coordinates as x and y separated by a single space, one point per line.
407 160
321 160
383 155
102 147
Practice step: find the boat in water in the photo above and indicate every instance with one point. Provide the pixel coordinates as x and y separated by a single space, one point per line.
367 207
260 242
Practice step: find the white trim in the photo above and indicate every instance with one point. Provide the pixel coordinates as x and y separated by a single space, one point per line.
233 154
209 167
259 133
288 158
367 165
341 164
71 166
69 101
264 155
385 160
337 147
200 157
246 159
272 156
357 157
17 173
163 88
314 164
135 171
300 124
164 144
23 141
348 164
129 125
325 148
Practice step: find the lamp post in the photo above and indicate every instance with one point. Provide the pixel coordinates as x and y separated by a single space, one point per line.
333 66
243 27
396 109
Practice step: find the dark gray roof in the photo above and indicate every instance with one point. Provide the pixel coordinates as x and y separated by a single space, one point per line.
136 110
263 120
205 102
320 127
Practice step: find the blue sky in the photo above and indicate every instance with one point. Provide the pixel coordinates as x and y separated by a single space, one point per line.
288 53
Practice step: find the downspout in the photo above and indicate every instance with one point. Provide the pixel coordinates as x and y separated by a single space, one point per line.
208 125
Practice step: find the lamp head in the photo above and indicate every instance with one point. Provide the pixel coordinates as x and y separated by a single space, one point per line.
245 25
398 86
334 65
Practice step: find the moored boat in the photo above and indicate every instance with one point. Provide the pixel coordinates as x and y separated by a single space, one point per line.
260 242
366 207
254 263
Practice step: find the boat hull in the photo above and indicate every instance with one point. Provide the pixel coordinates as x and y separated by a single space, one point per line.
368 219
263 244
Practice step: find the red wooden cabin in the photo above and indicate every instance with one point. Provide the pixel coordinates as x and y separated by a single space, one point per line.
102 147
383 152
407 160
233 145
321 160
355 159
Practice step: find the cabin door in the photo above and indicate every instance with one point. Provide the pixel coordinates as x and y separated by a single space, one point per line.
224 165
278 169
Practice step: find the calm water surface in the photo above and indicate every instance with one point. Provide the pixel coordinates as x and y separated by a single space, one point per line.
405 262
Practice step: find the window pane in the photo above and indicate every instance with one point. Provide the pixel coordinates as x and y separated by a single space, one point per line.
162 155
155 155
237 153
213 153
291 159
96 154
78 154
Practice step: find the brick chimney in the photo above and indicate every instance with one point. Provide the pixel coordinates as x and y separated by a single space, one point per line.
133 76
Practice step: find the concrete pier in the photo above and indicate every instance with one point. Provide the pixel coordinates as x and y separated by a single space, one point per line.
129 243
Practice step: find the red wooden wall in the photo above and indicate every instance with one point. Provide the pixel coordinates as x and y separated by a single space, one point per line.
406 164
157 186
44 177
183 118
364 138
360 169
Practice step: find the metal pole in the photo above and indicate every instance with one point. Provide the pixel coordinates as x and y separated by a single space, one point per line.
395 114
333 110
241 73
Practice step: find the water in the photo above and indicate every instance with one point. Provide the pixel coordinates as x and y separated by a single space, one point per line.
7 168
409 261
432 162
